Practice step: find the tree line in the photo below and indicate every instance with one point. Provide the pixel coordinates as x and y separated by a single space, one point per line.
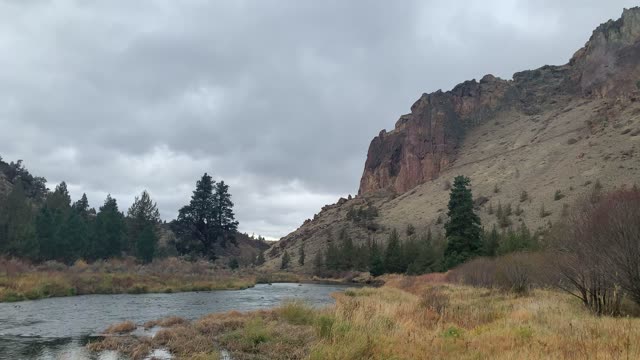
464 239
40 225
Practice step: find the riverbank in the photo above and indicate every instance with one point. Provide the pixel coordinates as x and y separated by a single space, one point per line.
21 281
408 318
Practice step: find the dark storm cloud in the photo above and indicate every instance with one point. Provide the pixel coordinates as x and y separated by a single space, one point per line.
279 98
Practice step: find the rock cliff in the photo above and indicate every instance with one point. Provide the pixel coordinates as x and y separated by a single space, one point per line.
425 141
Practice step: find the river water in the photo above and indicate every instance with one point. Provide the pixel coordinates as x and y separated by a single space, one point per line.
58 328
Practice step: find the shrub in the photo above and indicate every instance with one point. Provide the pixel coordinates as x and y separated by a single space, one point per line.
558 195
598 251
514 273
435 299
543 212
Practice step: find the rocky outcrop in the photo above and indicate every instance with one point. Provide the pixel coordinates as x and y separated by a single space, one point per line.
424 141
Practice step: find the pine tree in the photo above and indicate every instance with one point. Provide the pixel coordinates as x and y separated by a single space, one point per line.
146 243
393 259
226 225
332 258
285 260
318 263
17 231
195 226
51 225
376 260
346 253
301 255
109 230
143 216
425 262
463 230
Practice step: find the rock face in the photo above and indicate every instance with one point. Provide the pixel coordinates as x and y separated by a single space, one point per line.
424 141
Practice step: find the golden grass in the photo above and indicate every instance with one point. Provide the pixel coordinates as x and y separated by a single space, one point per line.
121 328
170 321
37 284
407 319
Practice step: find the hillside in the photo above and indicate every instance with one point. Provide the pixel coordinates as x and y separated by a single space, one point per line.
554 133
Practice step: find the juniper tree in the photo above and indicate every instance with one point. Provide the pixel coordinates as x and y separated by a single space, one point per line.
462 230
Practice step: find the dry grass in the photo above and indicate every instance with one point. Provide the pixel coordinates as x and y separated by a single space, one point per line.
409 319
23 281
121 328
167 322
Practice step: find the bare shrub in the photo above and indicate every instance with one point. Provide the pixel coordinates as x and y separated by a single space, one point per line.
513 272
435 299
480 272
598 251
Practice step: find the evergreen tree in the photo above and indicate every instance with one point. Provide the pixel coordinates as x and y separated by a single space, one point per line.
195 227
109 231
146 243
17 231
143 217
463 231
346 253
76 230
361 259
226 225
234 264
332 258
393 259
51 225
81 206
318 263
301 255
491 242
425 261
285 260
376 260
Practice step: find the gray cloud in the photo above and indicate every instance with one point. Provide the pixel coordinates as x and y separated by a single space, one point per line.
280 99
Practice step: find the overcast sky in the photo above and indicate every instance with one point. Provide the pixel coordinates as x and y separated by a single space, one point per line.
278 98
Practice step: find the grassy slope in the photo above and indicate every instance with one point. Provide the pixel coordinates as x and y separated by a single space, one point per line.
407 319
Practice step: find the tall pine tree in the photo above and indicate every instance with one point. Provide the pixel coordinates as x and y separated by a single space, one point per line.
463 231
143 218
226 225
109 231
195 227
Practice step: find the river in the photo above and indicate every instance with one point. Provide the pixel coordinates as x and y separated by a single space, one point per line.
58 328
